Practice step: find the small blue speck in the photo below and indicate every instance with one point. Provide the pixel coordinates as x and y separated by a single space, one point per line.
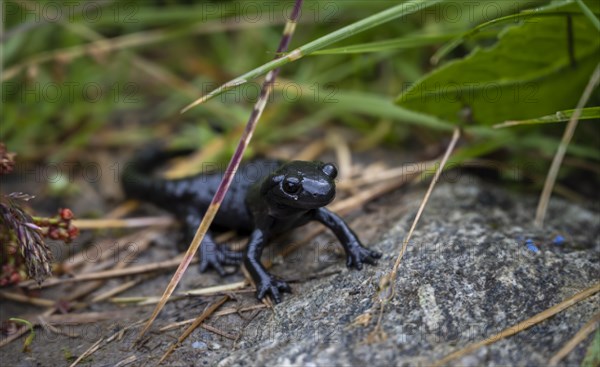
531 247
529 241
199 345
559 240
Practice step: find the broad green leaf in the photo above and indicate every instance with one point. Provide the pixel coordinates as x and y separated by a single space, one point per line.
554 9
530 72
590 113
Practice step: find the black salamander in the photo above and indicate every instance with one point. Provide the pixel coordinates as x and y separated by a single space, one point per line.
266 198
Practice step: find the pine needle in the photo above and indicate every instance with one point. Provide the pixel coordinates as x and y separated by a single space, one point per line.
512 330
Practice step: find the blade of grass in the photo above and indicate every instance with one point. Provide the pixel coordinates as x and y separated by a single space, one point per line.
125 42
589 113
562 149
406 8
589 14
410 41
231 169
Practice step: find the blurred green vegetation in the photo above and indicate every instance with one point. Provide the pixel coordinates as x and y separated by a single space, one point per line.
84 76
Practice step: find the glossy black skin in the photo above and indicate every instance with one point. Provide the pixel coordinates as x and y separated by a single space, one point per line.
266 198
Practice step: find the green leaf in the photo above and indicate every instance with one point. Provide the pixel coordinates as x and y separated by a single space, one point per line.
530 72
553 9
31 335
592 356
590 113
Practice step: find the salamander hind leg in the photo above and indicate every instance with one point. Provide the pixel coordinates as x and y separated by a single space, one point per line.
212 255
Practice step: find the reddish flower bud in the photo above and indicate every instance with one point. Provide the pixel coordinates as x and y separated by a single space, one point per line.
66 213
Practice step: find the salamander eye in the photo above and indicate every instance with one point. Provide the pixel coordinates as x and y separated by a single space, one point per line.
291 185
330 170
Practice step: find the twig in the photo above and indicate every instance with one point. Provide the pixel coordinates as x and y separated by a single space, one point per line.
562 149
405 170
523 325
232 310
27 299
215 289
102 342
46 326
194 292
233 166
78 318
123 223
126 361
455 137
113 273
209 311
224 312
119 289
204 326
91 350
586 330
343 154
312 150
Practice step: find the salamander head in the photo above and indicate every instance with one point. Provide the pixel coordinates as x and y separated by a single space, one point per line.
301 184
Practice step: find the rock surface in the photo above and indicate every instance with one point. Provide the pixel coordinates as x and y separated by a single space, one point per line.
468 274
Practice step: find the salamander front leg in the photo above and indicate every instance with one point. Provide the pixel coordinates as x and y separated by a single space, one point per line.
266 283
356 253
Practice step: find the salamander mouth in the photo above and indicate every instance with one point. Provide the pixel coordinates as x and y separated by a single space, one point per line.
306 200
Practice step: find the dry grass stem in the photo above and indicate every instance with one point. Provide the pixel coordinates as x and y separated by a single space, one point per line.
113 273
116 290
27 299
123 223
126 361
232 167
200 319
387 281
406 170
102 342
583 333
523 325
436 177
204 326
562 149
215 289
311 151
343 154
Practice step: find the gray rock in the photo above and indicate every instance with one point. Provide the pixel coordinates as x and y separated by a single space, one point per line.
467 275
